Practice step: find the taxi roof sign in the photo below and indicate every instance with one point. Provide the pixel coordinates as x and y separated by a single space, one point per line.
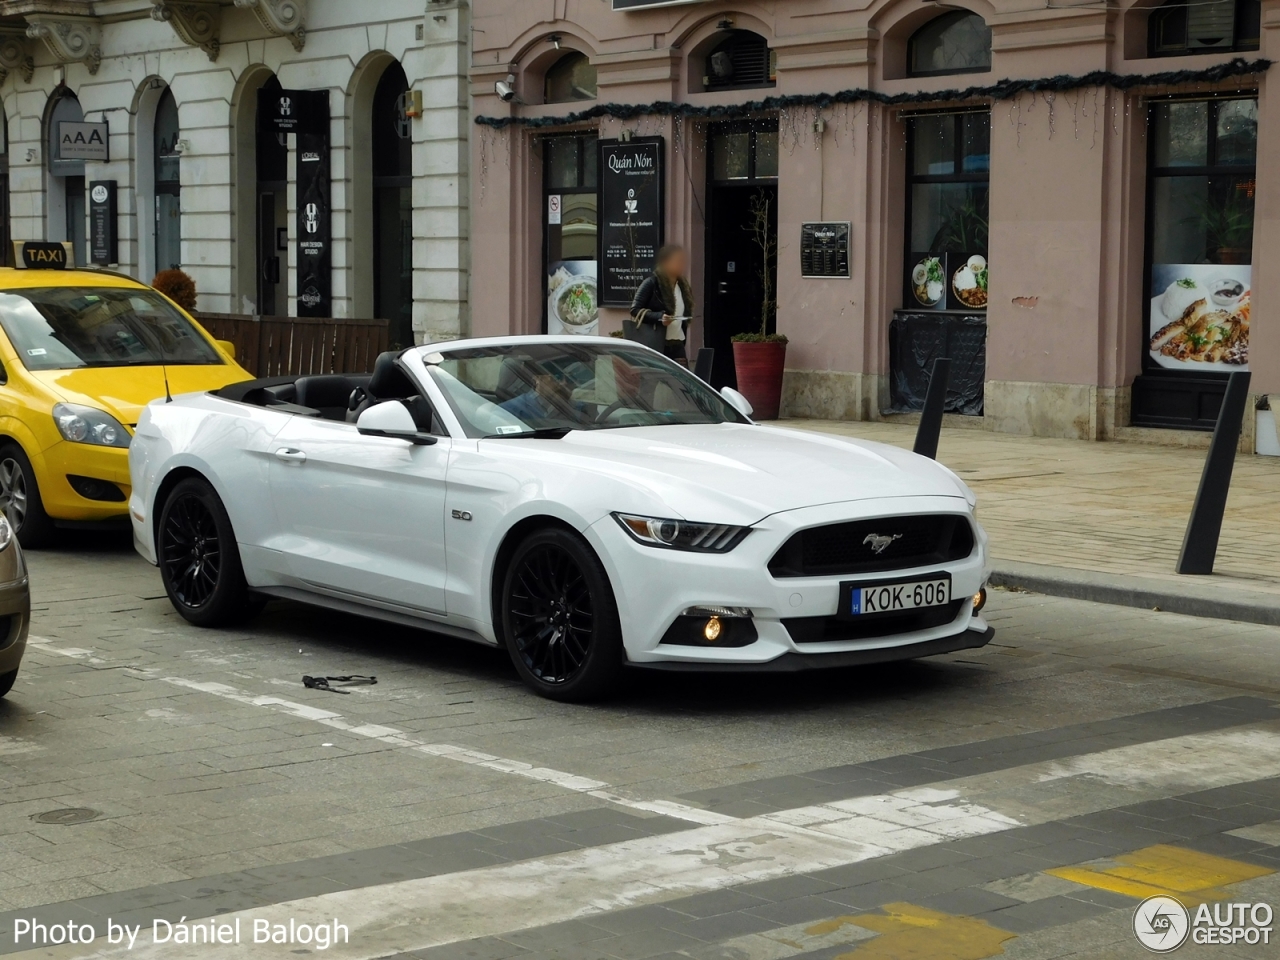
43 255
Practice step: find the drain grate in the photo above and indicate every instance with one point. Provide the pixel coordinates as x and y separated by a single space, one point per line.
67 816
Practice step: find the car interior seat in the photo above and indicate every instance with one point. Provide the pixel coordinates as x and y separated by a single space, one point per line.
389 382
330 394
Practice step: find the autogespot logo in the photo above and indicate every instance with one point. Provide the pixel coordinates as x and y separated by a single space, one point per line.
1161 924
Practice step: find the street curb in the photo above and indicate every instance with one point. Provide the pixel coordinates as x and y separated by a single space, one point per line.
1195 600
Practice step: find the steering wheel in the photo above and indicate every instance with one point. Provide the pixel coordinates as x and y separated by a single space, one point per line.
604 414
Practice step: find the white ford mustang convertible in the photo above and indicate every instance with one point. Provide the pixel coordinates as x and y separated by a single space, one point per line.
585 503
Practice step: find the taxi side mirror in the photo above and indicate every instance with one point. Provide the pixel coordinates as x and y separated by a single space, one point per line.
227 347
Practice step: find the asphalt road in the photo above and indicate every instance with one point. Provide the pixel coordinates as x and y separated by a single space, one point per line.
1018 801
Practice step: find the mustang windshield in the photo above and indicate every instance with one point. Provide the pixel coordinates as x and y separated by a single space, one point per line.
64 328
544 388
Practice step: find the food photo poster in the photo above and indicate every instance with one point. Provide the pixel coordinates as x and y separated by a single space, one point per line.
572 306
1200 316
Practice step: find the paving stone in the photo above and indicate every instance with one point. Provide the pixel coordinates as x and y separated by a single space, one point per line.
1049 912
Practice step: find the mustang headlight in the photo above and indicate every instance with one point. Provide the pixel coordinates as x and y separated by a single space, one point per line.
681 534
80 424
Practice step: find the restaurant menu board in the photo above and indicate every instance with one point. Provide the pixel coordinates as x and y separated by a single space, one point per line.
1200 316
631 216
824 249
571 298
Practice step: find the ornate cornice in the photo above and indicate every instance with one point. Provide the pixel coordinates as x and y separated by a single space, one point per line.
69 39
197 23
15 54
284 18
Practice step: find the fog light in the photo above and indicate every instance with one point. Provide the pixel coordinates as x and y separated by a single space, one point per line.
979 599
712 630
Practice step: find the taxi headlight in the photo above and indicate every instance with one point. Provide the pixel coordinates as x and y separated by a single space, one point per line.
80 424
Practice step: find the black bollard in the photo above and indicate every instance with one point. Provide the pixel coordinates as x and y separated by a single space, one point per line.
1200 544
702 365
935 400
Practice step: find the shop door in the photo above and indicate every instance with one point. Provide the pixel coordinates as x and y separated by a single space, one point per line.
742 198
272 213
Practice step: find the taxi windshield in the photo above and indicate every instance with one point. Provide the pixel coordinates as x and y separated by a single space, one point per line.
65 328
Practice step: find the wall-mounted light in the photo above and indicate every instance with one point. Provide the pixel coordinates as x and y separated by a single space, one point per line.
32 155
626 136
182 146
725 24
554 40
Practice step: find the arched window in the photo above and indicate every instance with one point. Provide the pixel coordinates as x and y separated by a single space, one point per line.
1178 28
741 59
393 206
168 184
572 77
958 42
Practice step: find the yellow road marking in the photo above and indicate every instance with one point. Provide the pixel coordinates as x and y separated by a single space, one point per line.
1191 876
908 932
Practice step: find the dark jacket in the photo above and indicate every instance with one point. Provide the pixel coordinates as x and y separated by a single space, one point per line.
656 298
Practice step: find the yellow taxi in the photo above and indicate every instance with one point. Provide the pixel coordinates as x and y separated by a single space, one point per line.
81 353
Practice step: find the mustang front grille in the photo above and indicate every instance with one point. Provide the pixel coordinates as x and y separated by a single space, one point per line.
874 546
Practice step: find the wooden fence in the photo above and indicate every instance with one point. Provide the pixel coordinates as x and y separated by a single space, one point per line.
299 346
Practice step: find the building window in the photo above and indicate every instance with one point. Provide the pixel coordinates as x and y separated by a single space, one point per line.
168 172
1200 233
66 195
744 153
741 60
948 173
1179 28
569 165
958 42
572 77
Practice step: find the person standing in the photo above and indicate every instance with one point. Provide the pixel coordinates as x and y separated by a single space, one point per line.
665 300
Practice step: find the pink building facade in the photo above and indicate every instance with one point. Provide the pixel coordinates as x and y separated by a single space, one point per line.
1094 251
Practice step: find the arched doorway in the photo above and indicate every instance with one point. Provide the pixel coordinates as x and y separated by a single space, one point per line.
272 213
392 145
66 215
168 184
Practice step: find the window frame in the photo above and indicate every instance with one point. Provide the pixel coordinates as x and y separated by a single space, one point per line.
576 56
1154 173
753 128
955 16
1237 45
913 178
588 143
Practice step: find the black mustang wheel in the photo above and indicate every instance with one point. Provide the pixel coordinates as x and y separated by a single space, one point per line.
559 617
199 559
192 551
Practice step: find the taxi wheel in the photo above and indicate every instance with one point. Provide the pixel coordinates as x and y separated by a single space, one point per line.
6 681
200 559
20 499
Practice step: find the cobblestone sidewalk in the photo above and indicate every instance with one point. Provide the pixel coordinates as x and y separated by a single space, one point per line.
1107 508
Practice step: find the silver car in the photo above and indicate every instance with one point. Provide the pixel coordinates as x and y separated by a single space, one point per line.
15 606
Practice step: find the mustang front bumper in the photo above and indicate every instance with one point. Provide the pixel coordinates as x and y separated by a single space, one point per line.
653 586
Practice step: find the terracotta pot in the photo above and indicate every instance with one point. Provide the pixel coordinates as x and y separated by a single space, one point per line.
1234 255
759 368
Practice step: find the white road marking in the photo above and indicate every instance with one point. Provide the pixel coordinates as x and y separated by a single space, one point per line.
415 914
448 751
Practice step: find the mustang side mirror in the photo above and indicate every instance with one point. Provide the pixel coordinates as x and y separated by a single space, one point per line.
392 418
736 400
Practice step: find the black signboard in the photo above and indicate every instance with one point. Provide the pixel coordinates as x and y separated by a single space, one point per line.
315 223
44 255
824 249
104 243
631 216
294 111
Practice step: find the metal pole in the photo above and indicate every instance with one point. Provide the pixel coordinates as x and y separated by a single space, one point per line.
935 400
1200 544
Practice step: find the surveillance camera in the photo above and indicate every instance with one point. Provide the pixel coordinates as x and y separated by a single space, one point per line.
505 91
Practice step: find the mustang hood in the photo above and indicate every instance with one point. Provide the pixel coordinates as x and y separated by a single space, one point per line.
753 471
124 391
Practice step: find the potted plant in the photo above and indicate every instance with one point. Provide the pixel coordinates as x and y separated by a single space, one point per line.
760 357
1228 228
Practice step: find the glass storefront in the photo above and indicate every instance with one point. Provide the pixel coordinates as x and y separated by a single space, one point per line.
1200 217
569 165
168 173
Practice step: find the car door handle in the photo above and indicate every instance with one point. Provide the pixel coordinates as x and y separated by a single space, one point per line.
291 455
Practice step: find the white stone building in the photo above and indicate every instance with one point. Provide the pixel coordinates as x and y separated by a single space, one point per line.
202 186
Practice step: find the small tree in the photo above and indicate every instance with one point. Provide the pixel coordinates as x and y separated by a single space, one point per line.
178 287
760 227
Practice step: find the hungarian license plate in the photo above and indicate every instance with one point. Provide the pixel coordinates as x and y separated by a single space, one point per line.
862 599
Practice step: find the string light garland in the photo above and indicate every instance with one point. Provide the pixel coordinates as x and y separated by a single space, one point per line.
1003 90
